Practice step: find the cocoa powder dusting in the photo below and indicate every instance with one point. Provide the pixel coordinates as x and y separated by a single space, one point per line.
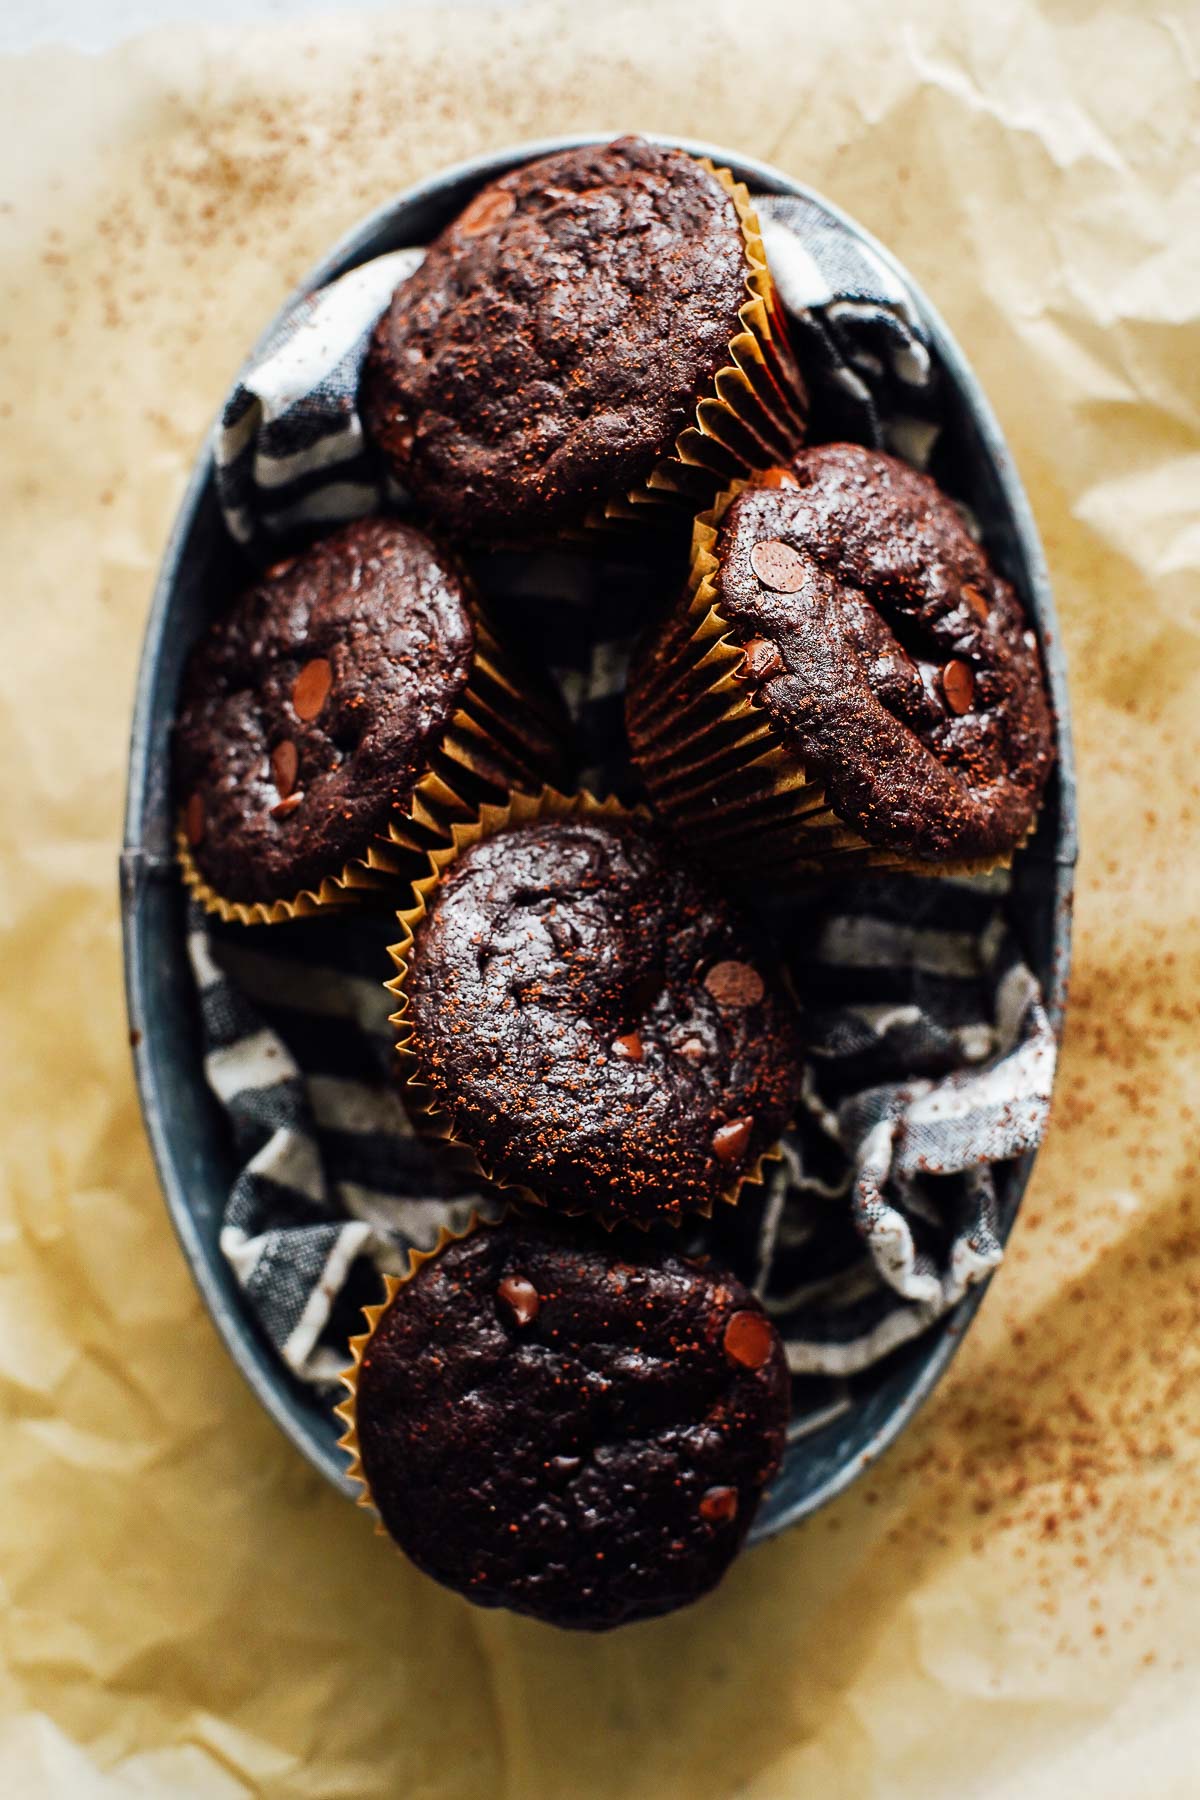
1063 1445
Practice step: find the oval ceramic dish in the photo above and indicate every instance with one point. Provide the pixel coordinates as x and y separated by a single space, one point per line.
185 1129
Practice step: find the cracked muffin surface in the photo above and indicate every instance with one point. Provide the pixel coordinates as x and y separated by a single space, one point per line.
557 337
308 710
597 1025
888 653
569 1423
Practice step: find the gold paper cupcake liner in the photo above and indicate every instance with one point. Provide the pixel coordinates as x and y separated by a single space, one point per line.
715 765
434 1120
346 1410
755 411
501 737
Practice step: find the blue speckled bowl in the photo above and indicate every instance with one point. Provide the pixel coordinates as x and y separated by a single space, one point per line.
183 1123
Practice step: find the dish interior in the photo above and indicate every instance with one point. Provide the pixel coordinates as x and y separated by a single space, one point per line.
186 1130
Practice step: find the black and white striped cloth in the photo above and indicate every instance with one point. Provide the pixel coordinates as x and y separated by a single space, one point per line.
291 455
930 1054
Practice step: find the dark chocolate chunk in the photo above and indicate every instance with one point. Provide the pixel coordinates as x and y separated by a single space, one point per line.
749 1338
311 688
732 1140
760 660
958 685
719 1505
779 566
734 984
285 766
520 1298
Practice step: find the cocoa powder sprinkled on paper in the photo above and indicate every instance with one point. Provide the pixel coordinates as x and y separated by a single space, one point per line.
1065 1436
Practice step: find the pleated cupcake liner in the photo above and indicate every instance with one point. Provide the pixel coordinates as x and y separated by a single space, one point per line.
501 737
347 1410
716 766
436 1120
755 409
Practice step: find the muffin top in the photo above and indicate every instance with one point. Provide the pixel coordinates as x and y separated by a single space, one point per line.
309 707
888 653
571 1425
598 1026
557 336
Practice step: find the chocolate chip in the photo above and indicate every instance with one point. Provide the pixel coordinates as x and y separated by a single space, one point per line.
563 934
734 984
285 764
958 685
778 566
718 1505
777 478
976 601
486 210
311 688
760 658
732 1140
521 1298
748 1339
287 806
193 819
628 1048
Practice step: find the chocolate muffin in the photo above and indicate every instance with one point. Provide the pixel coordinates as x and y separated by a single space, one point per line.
569 1425
314 708
850 681
558 336
593 1025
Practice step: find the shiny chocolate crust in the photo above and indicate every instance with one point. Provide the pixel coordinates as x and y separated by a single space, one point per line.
596 1025
888 654
308 709
570 1424
557 337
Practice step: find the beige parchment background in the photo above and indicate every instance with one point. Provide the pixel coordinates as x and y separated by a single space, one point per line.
1010 1606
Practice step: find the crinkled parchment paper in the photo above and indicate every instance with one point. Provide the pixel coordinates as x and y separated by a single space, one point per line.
1010 1605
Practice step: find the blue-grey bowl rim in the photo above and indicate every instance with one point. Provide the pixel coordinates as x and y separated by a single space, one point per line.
143 862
